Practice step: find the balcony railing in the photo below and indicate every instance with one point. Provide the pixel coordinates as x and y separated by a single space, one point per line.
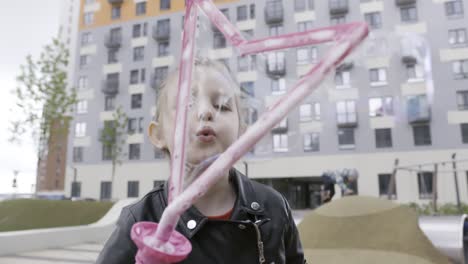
404 2
115 2
338 7
113 41
110 87
161 31
274 12
418 110
346 120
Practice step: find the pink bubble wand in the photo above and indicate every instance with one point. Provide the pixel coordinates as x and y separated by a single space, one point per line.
160 243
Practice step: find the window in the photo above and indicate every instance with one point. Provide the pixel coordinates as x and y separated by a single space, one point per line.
251 115
464 132
137 76
84 60
305 112
136 101
457 36
87 2
383 138
225 12
77 154
80 129
88 18
454 8
462 100
374 20
115 35
378 76
132 189
106 190
304 26
276 61
343 79
160 74
384 184
86 38
246 63
346 112
425 184
135 125
138 53
422 135
460 69
165 4
76 189
336 20
283 124
82 107
278 86
219 41
248 88
312 142
109 103
163 48
242 13
414 72
82 82
140 30
112 56
276 30
106 152
115 12
409 14
303 5
306 55
346 138
140 8
280 142
380 106
317 114
133 151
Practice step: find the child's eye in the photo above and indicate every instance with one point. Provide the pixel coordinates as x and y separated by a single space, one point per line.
223 107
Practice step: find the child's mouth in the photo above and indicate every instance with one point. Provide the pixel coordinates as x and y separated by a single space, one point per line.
206 135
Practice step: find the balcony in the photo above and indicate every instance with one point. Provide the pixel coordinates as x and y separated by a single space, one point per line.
162 31
418 110
280 128
113 41
347 120
408 52
276 65
345 66
405 2
110 87
338 7
115 2
274 12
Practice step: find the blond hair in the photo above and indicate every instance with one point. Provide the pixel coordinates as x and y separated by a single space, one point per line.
171 79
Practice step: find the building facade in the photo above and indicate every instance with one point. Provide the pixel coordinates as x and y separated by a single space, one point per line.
50 175
378 107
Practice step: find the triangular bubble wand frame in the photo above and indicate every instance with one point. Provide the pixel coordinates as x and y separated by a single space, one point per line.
160 243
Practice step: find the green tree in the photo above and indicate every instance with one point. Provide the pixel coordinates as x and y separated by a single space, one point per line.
113 140
43 104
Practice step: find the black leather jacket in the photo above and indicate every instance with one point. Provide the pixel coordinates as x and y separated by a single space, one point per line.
261 229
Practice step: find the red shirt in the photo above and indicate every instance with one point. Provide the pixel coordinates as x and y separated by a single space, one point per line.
225 216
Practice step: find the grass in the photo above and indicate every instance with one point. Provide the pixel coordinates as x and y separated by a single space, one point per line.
442 209
23 214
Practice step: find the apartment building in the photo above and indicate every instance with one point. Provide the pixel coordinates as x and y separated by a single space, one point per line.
402 96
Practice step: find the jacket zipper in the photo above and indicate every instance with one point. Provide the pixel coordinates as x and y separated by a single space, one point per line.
259 242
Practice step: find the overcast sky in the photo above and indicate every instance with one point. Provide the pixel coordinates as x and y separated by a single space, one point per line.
26 26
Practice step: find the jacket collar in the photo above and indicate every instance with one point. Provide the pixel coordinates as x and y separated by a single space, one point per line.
246 207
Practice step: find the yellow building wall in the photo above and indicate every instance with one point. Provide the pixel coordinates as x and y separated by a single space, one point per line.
102 17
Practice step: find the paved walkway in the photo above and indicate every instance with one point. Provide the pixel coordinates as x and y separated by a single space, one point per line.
78 254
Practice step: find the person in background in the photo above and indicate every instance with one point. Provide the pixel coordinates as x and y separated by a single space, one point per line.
342 178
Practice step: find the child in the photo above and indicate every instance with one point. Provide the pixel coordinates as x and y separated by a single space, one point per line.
237 220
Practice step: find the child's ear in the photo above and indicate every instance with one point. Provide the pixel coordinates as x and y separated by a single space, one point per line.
156 135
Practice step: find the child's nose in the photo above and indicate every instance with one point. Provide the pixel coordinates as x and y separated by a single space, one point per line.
205 114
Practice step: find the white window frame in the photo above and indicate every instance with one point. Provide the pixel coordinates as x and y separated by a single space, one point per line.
381 77
80 129
280 142
82 107
305 112
345 77
88 18
281 86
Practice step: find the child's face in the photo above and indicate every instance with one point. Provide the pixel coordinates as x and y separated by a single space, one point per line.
213 117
